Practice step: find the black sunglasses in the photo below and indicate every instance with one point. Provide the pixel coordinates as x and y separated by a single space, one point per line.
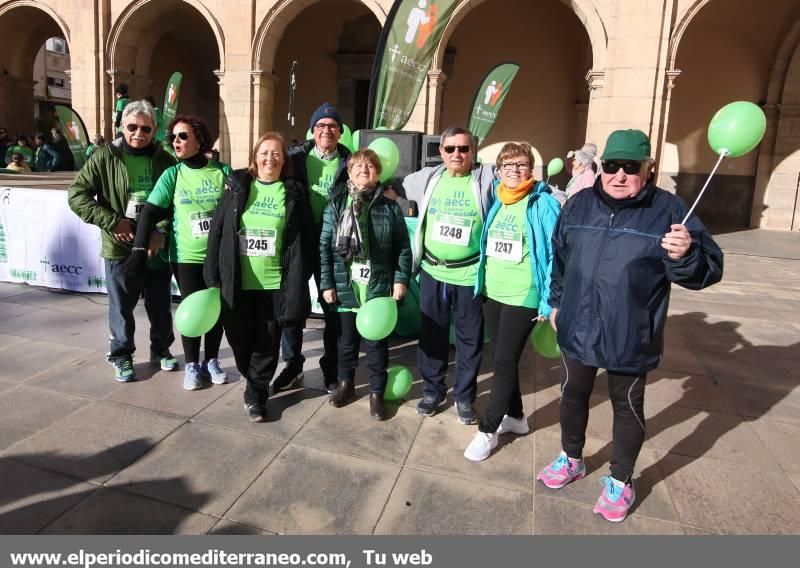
135 127
451 149
630 168
182 135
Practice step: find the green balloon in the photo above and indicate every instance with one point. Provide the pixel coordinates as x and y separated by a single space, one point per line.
356 140
309 135
198 312
737 128
545 341
346 139
399 382
555 166
376 319
389 155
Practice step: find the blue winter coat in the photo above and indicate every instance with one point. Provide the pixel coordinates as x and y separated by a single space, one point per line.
611 279
542 213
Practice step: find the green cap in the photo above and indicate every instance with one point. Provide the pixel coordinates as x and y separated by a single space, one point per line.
631 145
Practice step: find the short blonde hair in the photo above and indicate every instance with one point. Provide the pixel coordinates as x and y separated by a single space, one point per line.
364 155
511 149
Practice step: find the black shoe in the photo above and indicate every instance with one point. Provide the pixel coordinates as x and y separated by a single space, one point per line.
330 386
256 412
287 378
377 409
428 405
466 413
344 393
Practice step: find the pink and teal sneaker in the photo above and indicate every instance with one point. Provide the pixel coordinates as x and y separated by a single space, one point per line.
562 471
615 501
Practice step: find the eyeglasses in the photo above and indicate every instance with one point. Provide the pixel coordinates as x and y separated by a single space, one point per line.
451 149
630 168
171 137
508 166
134 127
325 125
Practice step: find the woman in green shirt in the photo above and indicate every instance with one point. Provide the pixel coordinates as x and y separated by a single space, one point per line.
261 254
188 192
516 258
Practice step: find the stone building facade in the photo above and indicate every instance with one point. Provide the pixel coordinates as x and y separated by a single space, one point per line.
587 67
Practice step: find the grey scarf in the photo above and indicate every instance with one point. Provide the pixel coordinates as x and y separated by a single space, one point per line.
349 241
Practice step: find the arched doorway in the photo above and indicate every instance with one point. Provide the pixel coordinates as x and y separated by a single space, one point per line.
152 39
721 52
26 33
548 101
334 44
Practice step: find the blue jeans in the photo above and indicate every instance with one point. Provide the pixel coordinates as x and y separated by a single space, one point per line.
123 294
436 299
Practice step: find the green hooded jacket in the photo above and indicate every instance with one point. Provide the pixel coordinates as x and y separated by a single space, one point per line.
99 195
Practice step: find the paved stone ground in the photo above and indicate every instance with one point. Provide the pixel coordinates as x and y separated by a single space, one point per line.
83 454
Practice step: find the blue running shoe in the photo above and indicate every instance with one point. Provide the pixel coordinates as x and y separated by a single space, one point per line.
212 369
191 377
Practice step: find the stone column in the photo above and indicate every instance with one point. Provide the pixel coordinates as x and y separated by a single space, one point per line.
436 84
595 81
235 124
664 161
766 160
264 85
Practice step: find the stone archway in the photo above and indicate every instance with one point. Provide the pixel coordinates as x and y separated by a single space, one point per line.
326 72
719 53
196 48
548 101
24 26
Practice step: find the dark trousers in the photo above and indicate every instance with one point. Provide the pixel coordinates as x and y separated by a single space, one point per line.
255 337
627 399
436 300
509 328
124 292
292 342
190 280
377 354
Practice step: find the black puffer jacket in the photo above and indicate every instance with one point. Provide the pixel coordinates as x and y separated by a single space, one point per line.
222 268
388 246
611 278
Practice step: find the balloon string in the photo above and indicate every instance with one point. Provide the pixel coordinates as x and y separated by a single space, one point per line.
722 155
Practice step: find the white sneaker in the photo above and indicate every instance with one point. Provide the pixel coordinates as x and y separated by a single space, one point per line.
480 447
517 426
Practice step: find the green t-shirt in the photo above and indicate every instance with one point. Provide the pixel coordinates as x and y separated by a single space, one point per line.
194 193
261 236
509 278
359 267
141 183
321 177
453 228
119 107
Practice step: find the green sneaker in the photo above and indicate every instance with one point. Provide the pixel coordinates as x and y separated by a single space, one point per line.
123 370
166 361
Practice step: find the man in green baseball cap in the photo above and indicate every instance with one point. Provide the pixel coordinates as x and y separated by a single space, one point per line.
618 248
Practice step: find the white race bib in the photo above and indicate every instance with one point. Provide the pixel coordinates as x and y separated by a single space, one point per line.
257 242
135 206
201 223
360 271
451 230
504 245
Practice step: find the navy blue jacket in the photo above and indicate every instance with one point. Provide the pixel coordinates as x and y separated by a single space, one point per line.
611 278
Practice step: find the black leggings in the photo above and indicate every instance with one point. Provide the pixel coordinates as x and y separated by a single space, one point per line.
509 328
190 280
627 399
